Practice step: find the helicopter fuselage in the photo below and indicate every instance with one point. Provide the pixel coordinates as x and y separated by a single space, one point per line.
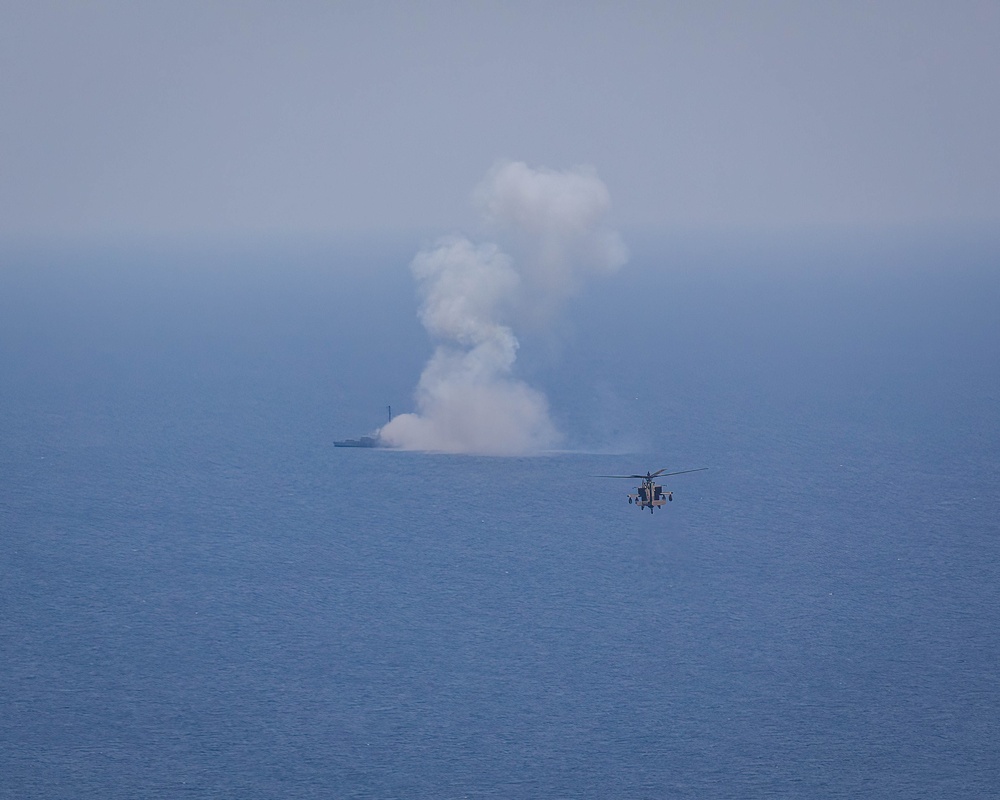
650 495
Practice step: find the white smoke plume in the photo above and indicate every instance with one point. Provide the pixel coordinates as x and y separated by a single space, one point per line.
468 400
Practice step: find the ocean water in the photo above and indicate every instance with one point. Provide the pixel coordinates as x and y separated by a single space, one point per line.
201 597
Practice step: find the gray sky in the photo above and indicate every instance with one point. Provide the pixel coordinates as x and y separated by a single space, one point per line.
132 118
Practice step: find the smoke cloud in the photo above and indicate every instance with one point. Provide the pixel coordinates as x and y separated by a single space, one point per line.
550 235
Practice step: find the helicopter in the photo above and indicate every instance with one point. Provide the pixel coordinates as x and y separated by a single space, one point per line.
651 495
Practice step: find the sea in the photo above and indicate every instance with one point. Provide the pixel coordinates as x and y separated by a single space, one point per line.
200 596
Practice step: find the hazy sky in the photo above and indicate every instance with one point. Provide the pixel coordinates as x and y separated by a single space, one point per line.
328 117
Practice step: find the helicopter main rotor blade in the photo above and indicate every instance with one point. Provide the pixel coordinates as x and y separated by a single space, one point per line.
658 474
682 472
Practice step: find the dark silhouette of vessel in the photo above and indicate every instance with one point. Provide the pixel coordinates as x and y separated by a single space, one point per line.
364 441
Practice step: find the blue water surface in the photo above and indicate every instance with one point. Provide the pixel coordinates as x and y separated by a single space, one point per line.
201 597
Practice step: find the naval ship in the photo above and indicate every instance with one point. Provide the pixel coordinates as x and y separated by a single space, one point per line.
364 441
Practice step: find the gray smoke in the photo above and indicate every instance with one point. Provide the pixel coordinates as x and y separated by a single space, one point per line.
551 234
